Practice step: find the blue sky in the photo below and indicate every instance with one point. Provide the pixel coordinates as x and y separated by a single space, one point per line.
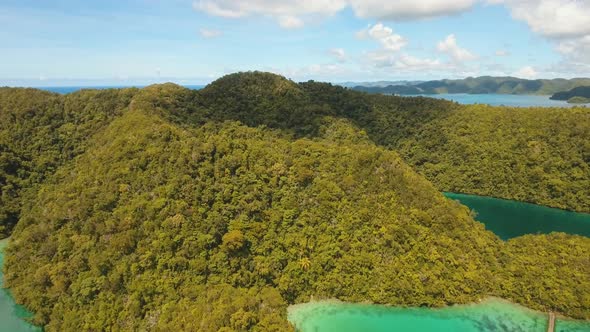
107 42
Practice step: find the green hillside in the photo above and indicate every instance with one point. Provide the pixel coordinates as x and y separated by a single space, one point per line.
481 85
539 155
40 131
578 95
168 209
153 215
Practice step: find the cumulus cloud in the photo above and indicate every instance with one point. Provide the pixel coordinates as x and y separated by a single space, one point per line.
288 13
209 33
450 47
383 60
314 71
502 53
384 35
390 57
526 72
576 51
290 22
379 58
408 62
552 18
564 22
408 9
292 13
338 54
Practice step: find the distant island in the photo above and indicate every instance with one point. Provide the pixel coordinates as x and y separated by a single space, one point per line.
479 85
578 95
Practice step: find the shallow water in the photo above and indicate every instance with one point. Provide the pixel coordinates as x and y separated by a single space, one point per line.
493 315
509 219
502 100
12 315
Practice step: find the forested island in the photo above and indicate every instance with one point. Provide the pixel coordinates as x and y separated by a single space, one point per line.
479 85
578 95
170 209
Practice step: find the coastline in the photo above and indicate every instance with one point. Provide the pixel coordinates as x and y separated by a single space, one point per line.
511 200
303 315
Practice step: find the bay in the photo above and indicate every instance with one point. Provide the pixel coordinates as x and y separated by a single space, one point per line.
509 219
491 315
501 100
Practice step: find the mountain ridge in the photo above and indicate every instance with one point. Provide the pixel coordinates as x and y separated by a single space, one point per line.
212 210
481 85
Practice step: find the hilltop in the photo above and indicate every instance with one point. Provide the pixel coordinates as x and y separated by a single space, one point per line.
480 85
578 95
172 209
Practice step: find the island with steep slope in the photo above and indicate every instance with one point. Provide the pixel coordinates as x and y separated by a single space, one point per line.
578 95
165 208
479 85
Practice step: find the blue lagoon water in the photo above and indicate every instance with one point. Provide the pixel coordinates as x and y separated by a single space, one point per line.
501 100
509 219
492 315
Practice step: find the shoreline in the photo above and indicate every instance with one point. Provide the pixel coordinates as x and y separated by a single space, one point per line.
510 200
303 309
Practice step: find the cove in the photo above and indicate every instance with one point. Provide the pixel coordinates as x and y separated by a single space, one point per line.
12 315
500 99
509 219
492 315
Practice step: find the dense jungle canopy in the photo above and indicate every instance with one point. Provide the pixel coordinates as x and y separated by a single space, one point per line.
165 208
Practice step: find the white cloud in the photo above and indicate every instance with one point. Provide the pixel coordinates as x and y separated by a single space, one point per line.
409 62
290 22
502 53
450 47
338 53
288 13
564 22
209 33
314 71
526 72
408 9
385 36
379 58
292 13
552 18
383 60
576 49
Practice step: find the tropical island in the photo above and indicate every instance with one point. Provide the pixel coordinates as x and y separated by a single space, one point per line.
166 208
479 85
578 95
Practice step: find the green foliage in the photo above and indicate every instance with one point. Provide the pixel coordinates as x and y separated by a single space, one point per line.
578 100
134 231
481 85
40 131
166 209
538 155
581 91
548 272
233 241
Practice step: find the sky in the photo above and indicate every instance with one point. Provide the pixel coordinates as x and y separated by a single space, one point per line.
124 42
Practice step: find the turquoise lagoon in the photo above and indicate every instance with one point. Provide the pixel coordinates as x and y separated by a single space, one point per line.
492 315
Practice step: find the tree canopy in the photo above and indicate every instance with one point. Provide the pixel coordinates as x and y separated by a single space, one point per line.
171 209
